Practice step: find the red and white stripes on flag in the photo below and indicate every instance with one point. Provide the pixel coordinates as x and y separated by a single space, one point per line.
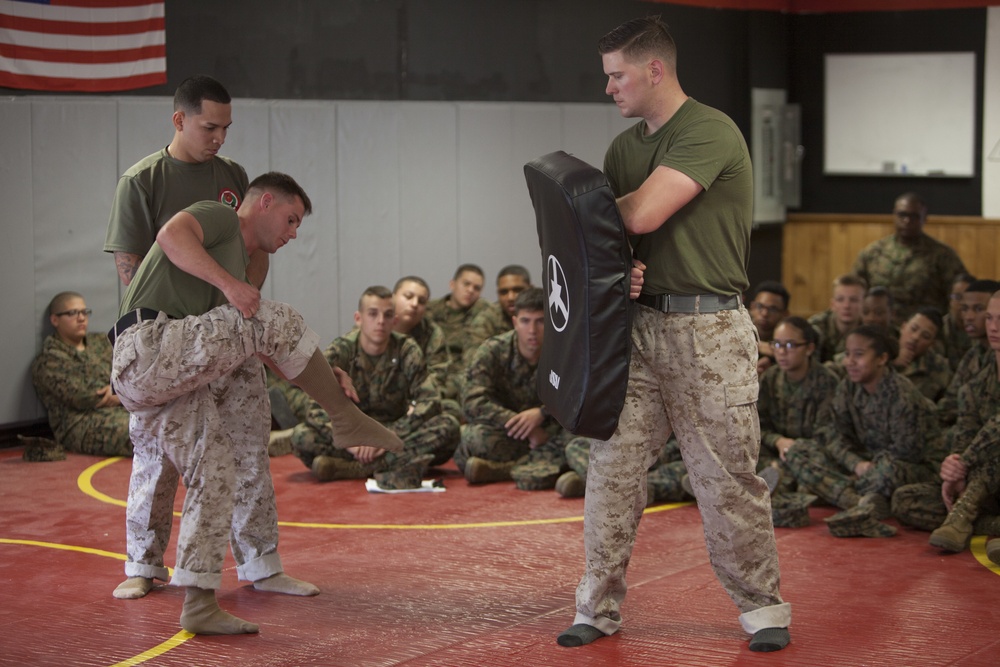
82 45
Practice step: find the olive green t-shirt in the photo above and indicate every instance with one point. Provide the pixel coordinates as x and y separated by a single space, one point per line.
160 285
703 248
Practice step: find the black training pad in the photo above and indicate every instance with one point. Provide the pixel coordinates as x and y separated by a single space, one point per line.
583 371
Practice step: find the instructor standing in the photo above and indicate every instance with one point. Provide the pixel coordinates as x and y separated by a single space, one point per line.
684 184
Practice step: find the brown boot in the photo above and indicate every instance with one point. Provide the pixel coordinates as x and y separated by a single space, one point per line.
332 468
954 534
571 485
483 471
993 550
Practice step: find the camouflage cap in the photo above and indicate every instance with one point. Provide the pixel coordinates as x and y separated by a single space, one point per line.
41 449
791 510
859 521
536 476
407 476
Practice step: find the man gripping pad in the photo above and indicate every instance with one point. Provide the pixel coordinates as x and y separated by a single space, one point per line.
583 370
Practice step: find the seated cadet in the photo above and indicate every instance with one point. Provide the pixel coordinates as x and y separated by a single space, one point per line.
877 310
952 340
497 317
843 315
509 435
664 481
71 377
409 300
966 500
768 305
795 409
885 433
917 361
393 388
453 313
974 302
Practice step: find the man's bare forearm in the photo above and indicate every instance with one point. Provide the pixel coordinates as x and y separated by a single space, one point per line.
127 264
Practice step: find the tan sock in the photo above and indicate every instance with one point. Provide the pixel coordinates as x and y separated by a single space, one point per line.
202 615
351 427
133 588
282 583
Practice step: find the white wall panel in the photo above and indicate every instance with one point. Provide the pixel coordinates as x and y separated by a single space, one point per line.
368 187
21 317
304 272
144 127
248 140
428 194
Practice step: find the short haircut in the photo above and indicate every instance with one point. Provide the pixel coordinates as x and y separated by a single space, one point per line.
966 278
279 183
411 279
514 270
195 89
931 313
772 287
531 299
59 300
641 39
474 268
882 342
380 291
981 286
850 280
807 330
880 291
912 197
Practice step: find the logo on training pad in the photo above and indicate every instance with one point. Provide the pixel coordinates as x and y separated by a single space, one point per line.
229 198
554 379
558 294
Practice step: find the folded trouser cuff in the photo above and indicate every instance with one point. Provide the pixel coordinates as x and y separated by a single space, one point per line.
293 365
259 568
133 569
773 616
204 580
602 623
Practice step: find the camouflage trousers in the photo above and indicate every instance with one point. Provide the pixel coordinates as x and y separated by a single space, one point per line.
299 402
199 408
693 375
102 432
437 436
816 470
536 468
663 480
921 506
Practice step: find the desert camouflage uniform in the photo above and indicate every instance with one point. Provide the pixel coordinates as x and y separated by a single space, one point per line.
930 374
491 321
454 325
917 275
977 440
952 341
831 341
395 390
195 388
663 480
802 411
499 384
66 381
978 356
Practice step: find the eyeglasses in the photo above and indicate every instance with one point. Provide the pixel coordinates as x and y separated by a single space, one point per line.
770 310
75 313
788 345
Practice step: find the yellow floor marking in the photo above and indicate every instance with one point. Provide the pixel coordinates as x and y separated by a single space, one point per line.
85 482
154 652
978 547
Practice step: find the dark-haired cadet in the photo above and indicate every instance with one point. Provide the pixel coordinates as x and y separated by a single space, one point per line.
885 429
795 402
187 358
975 300
509 435
917 361
952 341
453 313
187 171
768 304
497 317
877 308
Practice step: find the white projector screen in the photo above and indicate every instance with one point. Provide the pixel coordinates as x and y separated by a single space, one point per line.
899 114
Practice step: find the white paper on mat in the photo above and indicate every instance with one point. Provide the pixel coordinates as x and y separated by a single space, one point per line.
426 486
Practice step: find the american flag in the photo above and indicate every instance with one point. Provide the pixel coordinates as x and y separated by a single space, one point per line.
82 45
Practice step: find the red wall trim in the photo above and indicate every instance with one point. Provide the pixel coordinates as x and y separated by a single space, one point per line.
807 6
